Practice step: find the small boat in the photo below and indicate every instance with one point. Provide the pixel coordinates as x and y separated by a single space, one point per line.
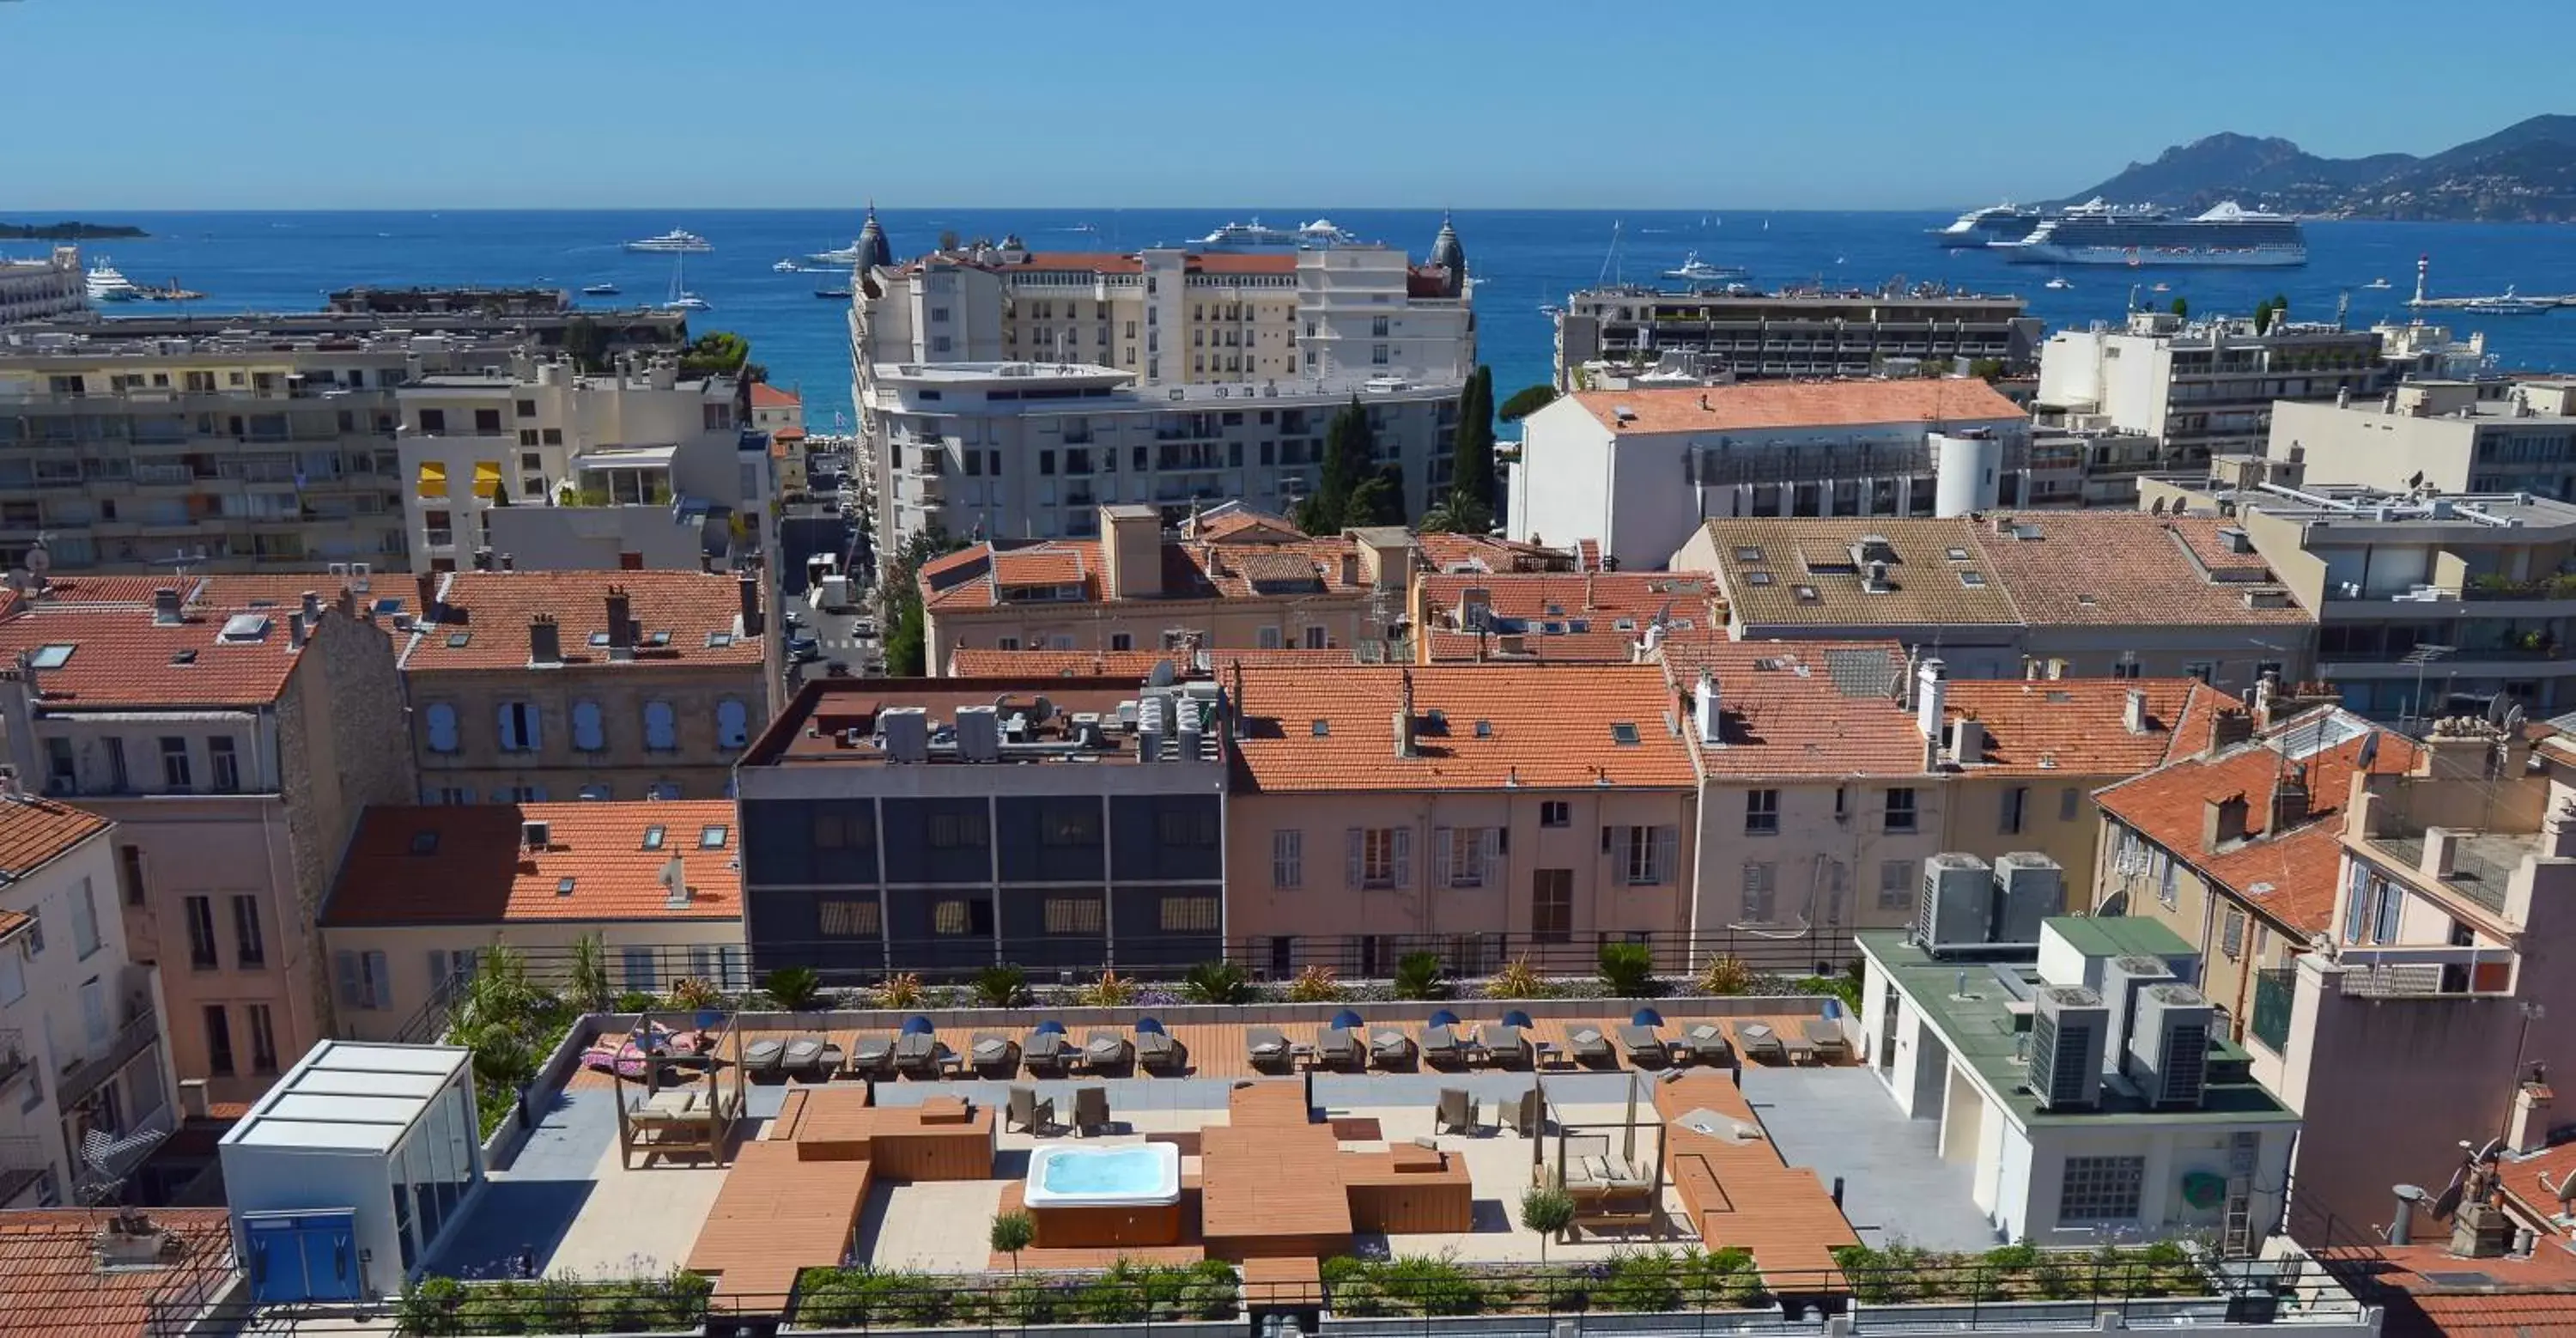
1696 270
2059 283
2376 284
676 240
2160 287
2507 304
785 267
832 292
599 290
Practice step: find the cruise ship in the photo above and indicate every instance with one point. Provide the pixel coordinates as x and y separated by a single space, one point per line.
676 239
1253 236
105 284
2099 234
1994 225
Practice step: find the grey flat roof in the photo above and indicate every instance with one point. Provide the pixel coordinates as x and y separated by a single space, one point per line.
350 1096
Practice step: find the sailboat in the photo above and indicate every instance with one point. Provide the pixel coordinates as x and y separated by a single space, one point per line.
681 298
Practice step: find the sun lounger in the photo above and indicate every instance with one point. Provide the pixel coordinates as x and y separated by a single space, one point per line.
1760 1042
1703 1043
1266 1047
1644 1048
1392 1049
1106 1050
1589 1046
1027 1111
764 1058
872 1056
1827 1036
1160 1051
1457 1113
1508 1047
1340 1048
1528 1113
1441 1046
804 1054
1047 1052
994 1054
917 1053
1090 1109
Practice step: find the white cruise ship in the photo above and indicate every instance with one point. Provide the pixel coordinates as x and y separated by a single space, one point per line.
1994 225
1253 236
2099 234
676 239
107 285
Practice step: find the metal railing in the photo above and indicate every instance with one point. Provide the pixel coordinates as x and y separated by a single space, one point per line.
139 1033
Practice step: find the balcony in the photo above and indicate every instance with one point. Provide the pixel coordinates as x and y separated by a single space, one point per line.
13 1055
2404 971
22 1163
141 1032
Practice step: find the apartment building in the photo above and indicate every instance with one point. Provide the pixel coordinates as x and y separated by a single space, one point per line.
1484 813
526 686
558 470
2194 387
1746 335
2427 604
80 1033
944 825
43 288
424 891
1595 616
2052 594
1011 391
2447 436
233 748
1640 469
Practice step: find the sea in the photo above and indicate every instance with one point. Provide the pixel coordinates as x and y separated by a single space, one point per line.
1522 260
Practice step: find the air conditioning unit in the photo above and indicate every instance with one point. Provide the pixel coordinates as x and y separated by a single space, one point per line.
1958 902
907 733
2122 979
2169 1044
979 734
2029 888
2069 1029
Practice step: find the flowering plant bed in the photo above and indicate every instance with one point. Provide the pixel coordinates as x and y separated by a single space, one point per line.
1642 1280
1901 1274
1125 1293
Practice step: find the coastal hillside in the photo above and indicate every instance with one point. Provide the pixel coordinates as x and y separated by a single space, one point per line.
2523 173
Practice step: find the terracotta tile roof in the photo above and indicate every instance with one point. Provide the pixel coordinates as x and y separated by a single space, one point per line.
2288 876
983 662
13 921
34 831
2075 726
1596 617
50 1282
767 396
2097 567
1245 527
388 593
979 576
1223 263
489 612
1551 727
122 658
464 864
1484 553
1758 405
1801 708
2430 1292
1601 644
1775 570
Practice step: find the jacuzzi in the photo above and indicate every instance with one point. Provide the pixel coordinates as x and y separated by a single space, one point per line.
1135 1175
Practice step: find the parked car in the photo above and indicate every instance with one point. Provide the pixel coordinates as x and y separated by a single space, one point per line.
836 669
804 648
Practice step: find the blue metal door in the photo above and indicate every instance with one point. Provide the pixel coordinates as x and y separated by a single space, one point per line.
299 1257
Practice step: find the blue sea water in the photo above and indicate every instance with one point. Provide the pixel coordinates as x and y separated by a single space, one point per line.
1522 259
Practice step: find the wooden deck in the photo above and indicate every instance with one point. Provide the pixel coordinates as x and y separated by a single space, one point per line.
1740 1192
1189 1251
776 1216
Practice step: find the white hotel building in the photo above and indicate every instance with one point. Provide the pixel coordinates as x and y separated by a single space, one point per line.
1014 392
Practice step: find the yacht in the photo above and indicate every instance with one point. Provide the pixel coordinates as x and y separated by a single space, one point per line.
2095 233
839 257
2160 286
107 285
1253 236
2058 283
681 298
1990 226
687 243
832 292
1695 270
2504 304
599 290
785 267
2377 285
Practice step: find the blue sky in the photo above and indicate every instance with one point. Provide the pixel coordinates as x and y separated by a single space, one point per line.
210 104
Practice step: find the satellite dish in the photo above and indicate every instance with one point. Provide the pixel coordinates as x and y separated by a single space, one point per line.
38 560
2513 718
1163 674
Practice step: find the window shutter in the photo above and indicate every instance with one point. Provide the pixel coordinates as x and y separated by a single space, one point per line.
508 726
1660 854
379 990
2356 903
345 964
1491 852
1355 838
1404 857
438 967
1444 869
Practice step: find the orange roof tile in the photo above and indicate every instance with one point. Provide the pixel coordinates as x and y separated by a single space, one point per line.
2074 727
1550 727
2289 876
122 658
978 576
767 396
1801 708
2094 567
466 864
2429 1292
485 615
1601 643
1480 552
1757 405
51 1284
34 832
981 662
13 921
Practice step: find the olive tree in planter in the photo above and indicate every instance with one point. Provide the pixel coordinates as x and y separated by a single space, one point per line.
1012 1233
1548 1211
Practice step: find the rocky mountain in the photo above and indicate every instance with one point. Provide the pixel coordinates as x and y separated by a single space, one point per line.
2523 173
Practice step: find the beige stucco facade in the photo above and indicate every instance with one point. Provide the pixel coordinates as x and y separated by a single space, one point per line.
1833 863
477 768
2055 817
640 955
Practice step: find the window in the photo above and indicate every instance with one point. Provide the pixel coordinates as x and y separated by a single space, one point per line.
174 763
129 874
263 1038
1188 915
1070 827
712 836
118 781
1288 858
1761 892
2008 819
201 933
219 1041
2168 879
661 727
223 764
1122 641
521 731
1552 905
1267 638
93 998
1555 813
951 919
733 724
1381 857
2100 1189
527 408
250 947
1459 855
1761 812
1647 854
1895 883
363 983
847 919
85 940
589 733
487 420
433 420
2068 800
1189 827
2204 670
2372 906
1074 915
2231 934
2126 668
1900 808
950 831
440 719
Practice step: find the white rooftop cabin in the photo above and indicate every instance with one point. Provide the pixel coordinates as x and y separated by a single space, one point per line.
343 1177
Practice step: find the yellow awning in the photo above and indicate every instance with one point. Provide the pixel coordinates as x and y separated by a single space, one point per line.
433 479
487 479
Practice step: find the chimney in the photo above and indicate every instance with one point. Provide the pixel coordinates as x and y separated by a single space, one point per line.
2222 823
1968 741
2133 713
508 563
675 881
312 607
192 1098
2441 856
2289 801
534 834
1351 568
296 630
1704 711
545 640
1242 729
748 586
2528 1130
621 624
1131 550
1404 715
1931 694
27 674
165 607
428 601
2401 1224
2228 728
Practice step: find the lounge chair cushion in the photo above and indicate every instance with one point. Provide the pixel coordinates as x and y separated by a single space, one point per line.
992 1050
